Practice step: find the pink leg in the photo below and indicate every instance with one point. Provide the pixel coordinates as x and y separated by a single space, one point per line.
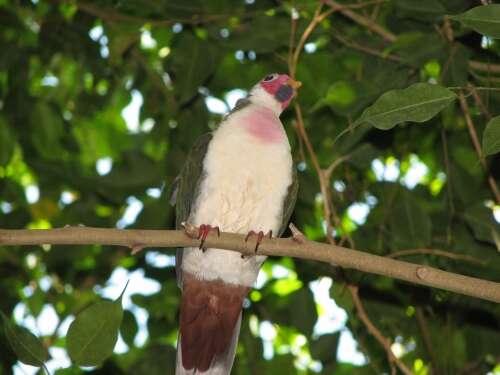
203 233
260 235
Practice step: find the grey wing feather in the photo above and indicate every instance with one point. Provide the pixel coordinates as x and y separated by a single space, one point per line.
290 201
186 189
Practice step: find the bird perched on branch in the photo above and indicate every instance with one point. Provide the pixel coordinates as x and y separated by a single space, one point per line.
239 178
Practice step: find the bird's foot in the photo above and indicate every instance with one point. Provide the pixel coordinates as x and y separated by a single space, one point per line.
260 235
203 232
297 235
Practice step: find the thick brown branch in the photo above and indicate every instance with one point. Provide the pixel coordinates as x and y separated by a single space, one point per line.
341 256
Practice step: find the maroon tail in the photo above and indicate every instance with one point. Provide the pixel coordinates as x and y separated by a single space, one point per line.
209 313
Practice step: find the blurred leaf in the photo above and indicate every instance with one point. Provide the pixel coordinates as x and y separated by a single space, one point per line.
26 345
417 103
46 131
280 364
262 34
491 137
195 60
122 37
483 19
35 302
325 347
363 155
7 142
303 313
483 224
410 224
156 360
92 335
455 67
417 49
426 6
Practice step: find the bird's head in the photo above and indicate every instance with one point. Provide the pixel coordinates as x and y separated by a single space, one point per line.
276 89
281 87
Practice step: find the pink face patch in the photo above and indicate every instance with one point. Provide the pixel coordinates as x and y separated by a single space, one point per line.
272 82
264 125
274 85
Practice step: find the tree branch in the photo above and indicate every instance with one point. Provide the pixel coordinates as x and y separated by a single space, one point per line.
426 337
341 256
484 67
384 341
363 21
437 252
477 146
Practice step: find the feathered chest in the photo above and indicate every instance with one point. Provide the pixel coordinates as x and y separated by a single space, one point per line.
245 179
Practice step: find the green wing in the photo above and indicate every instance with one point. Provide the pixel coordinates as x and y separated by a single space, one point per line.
187 187
189 179
290 200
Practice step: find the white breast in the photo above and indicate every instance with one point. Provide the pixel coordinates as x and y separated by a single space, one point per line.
244 188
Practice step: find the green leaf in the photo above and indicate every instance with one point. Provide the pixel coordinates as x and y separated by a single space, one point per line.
483 19
417 103
491 137
92 335
28 348
129 328
348 97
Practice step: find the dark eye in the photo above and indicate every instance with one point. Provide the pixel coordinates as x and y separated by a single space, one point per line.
270 77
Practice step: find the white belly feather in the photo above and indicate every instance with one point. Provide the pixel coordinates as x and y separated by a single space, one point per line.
244 188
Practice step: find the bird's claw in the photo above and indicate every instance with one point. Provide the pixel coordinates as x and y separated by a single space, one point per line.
203 232
190 230
297 235
260 235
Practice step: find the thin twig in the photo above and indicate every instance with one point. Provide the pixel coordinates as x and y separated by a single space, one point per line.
484 67
317 18
364 21
479 102
328 171
110 14
449 190
424 330
477 146
384 341
368 50
437 252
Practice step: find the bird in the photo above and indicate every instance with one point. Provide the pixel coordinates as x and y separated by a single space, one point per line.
239 178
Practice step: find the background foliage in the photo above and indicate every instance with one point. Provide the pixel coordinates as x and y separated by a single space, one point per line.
72 151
